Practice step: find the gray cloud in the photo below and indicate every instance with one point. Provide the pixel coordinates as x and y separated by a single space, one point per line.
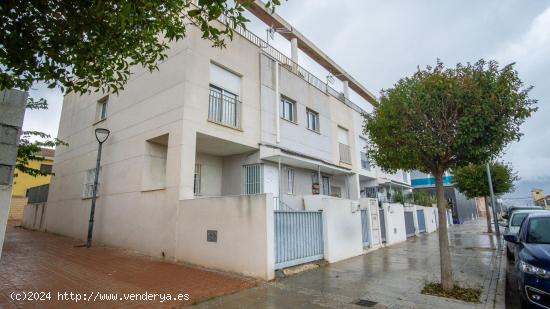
379 42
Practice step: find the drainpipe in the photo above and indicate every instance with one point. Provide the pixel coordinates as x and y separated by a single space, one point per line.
280 186
277 104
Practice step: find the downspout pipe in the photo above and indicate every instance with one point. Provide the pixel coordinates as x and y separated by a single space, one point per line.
277 104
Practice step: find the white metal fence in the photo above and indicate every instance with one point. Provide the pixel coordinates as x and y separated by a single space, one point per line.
298 237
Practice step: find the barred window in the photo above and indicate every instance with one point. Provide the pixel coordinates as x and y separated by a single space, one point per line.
253 178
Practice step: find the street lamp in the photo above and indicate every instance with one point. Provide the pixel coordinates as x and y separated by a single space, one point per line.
495 219
101 135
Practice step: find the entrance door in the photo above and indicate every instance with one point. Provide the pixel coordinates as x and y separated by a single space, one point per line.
382 225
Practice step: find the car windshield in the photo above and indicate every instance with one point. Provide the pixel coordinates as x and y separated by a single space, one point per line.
539 231
518 218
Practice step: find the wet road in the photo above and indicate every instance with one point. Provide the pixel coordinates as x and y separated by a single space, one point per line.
391 277
512 292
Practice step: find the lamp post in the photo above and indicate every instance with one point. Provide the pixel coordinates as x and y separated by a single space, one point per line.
490 181
101 135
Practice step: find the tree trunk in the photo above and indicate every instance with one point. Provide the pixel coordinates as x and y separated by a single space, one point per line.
488 213
444 251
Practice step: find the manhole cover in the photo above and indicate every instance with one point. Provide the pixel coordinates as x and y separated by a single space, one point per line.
366 303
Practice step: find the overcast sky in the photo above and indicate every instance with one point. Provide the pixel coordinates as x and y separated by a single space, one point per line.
379 42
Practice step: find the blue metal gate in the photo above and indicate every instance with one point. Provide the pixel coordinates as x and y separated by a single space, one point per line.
409 223
365 226
298 237
421 220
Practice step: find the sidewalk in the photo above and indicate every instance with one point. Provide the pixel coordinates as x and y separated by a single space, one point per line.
41 262
391 277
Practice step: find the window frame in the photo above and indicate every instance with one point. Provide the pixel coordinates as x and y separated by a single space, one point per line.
367 166
316 120
256 185
46 167
293 109
213 114
102 112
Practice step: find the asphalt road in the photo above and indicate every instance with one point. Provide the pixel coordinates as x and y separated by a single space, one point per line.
512 292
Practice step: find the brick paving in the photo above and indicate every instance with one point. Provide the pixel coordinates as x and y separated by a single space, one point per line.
43 262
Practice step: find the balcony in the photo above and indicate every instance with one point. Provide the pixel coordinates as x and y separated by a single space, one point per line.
345 153
224 109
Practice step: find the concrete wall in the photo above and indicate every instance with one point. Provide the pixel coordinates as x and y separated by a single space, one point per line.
341 227
245 234
33 217
211 174
395 223
12 111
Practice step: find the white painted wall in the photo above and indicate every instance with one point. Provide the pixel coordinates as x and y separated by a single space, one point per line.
211 174
341 227
430 213
245 229
33 216
395 223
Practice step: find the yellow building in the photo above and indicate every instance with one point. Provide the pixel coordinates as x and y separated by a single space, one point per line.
22 181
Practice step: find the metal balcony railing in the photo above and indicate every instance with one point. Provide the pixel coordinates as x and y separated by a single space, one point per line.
224 109
345 153
292 66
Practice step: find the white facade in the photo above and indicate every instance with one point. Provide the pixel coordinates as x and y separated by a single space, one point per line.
207 127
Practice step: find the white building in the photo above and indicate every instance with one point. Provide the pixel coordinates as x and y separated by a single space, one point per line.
210 144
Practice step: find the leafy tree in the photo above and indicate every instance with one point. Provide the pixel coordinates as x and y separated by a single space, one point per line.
443 118
471 180
31 142
83 46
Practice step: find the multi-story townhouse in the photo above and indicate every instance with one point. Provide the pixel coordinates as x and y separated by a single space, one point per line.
243 120
463 208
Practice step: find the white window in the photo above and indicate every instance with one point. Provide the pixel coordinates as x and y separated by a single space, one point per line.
343 136
102 108
365 164
343 145
253 178
224 106
88 189
326 185
197 180
290 180
312 120
288 109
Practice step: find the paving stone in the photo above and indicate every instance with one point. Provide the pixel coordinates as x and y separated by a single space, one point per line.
35 261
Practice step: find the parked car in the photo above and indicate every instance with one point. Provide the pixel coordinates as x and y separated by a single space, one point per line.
510 210
532 257
513 226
